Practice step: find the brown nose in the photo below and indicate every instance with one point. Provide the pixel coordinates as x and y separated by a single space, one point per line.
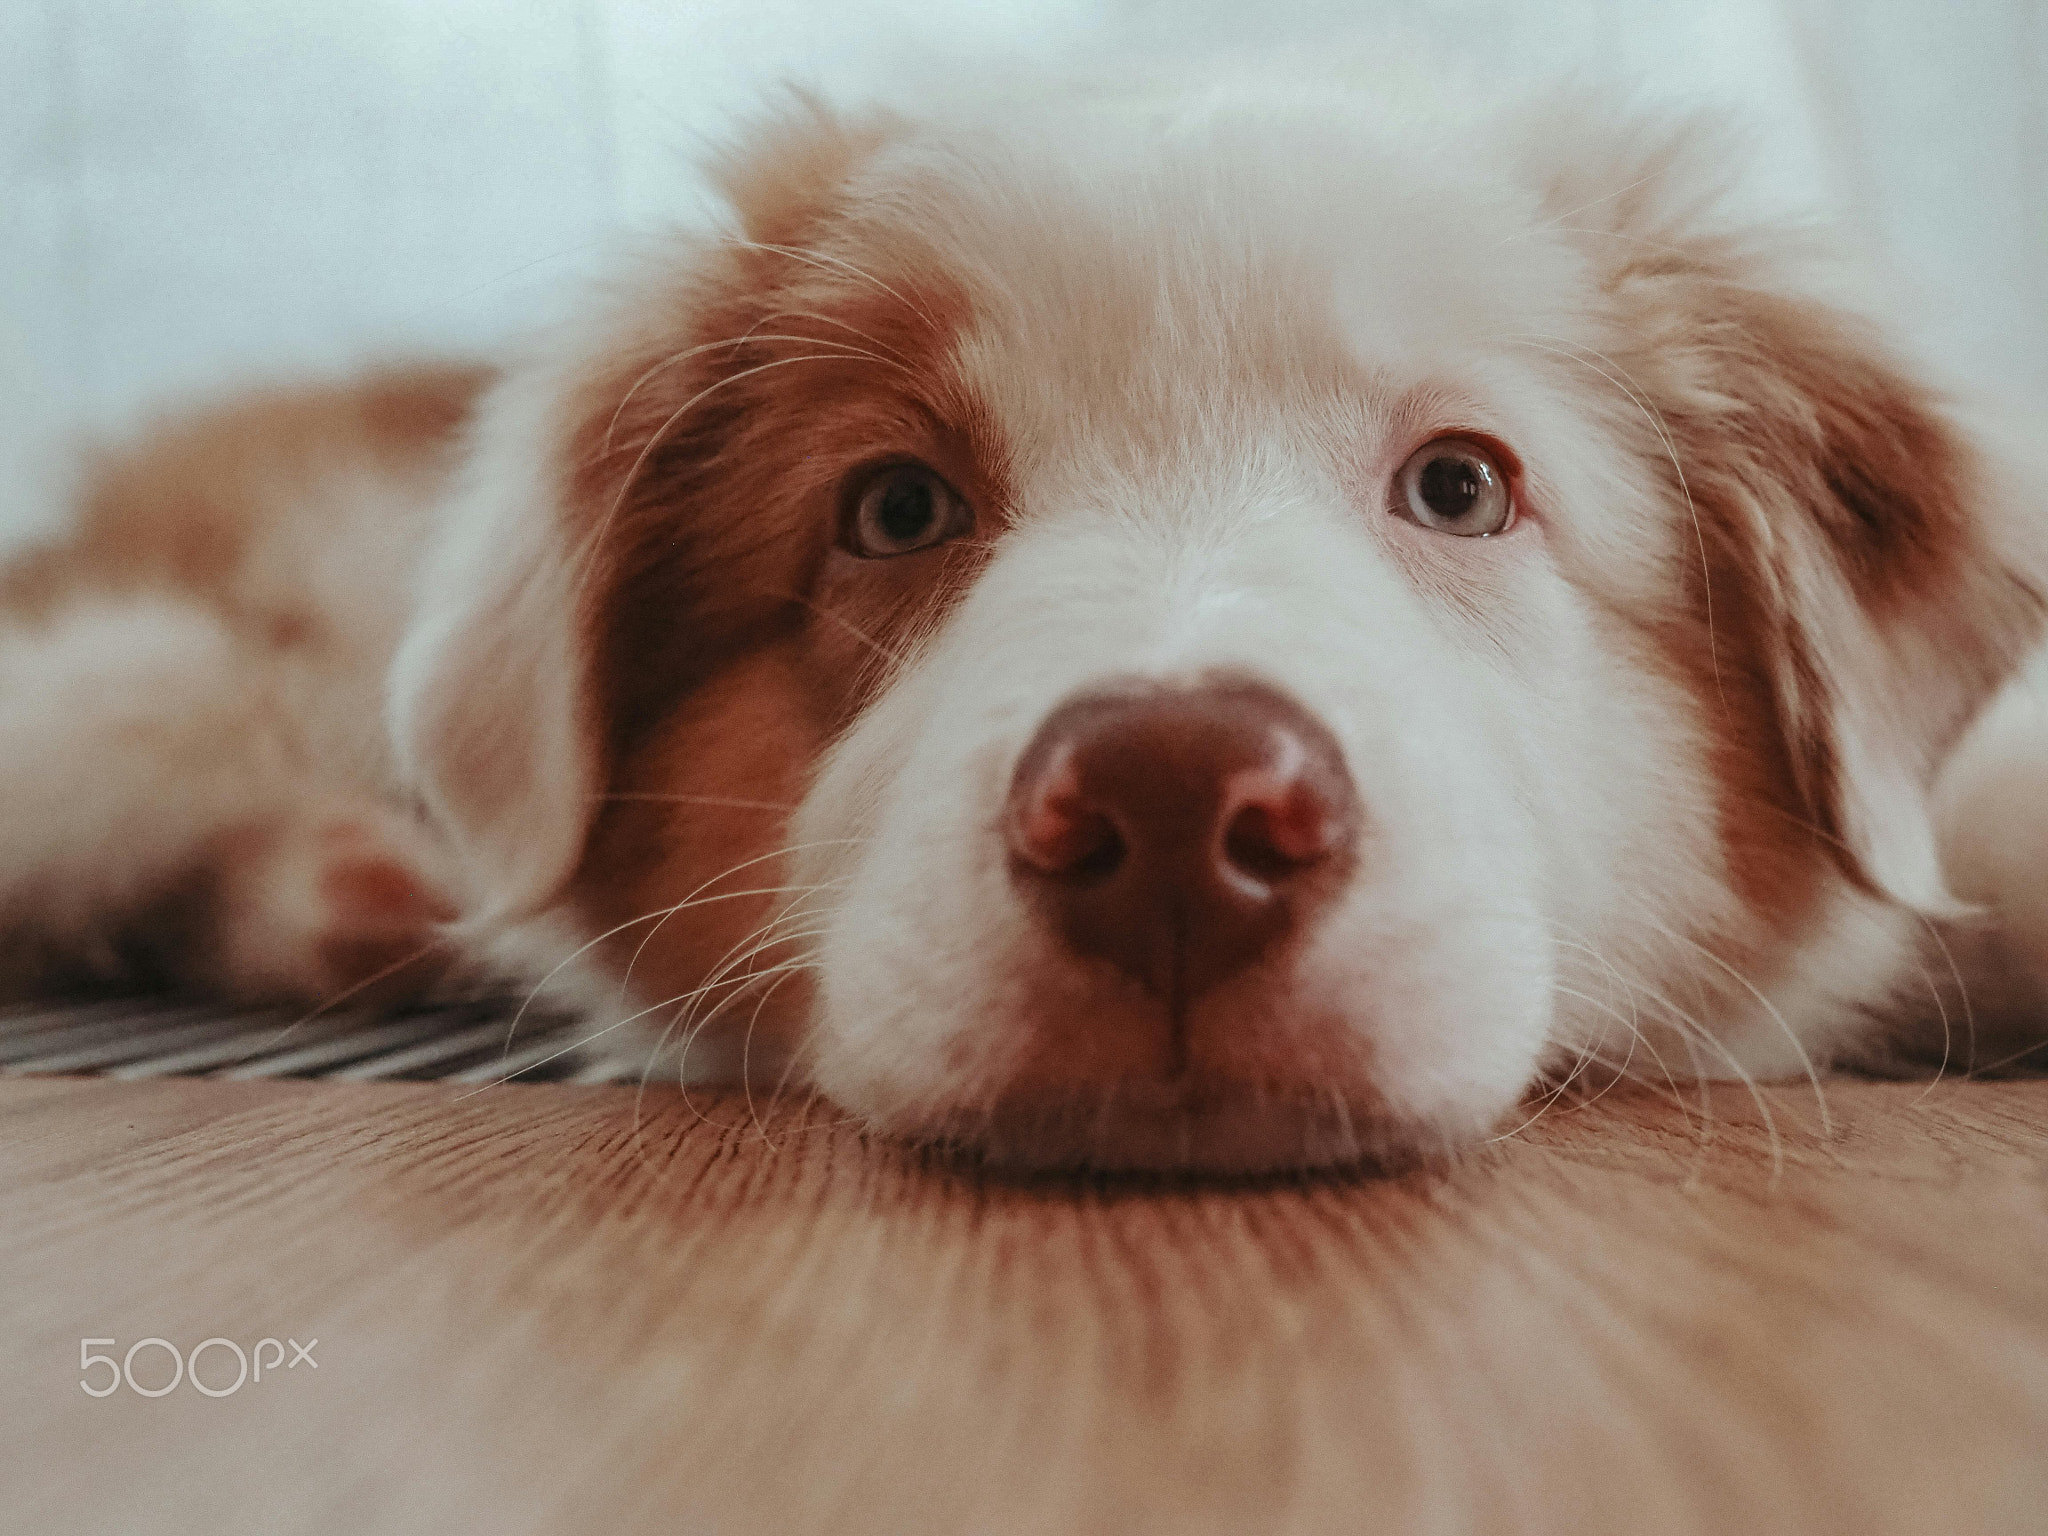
1180 832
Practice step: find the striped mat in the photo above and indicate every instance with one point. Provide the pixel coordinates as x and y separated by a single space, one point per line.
470 1042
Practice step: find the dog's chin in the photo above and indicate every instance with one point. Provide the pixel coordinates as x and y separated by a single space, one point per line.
1206 1129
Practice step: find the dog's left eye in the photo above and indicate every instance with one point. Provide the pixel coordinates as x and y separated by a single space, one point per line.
1456 486
903 509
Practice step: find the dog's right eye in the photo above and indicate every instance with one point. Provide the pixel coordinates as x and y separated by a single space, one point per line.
902 509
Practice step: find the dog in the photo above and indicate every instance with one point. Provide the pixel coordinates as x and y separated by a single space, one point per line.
1210 626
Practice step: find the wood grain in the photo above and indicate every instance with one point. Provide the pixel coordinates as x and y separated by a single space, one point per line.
556 1308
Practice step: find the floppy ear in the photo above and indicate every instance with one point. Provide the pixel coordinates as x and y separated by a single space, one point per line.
1884 559
1874 564
503 692
490 700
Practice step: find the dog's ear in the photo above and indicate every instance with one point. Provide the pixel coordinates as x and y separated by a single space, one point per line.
1869 565
490 694
507 690
1883 561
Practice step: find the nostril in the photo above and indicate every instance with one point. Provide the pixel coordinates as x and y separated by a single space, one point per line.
1281 823
1250 844
1104 855
1058 832
1057 841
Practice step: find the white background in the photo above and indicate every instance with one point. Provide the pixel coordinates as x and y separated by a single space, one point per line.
194 192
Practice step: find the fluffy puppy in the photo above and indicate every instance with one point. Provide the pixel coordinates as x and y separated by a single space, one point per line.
1216 627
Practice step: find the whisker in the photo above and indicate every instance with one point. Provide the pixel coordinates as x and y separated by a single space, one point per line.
1572 213
1548 1100
727 801
683 905
1791 1036
1933 931
597 536
755 944
1640 399
658 915
824 262
2006 1061
1692 1031
1633 1022
684 999
691 1031
893 657
1615 234
727 343
572 1046
284 1031
761 938
1962 999
823 319
1623 1072
746 1050
648 938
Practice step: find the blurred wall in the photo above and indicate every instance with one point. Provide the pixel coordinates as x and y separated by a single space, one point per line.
198 191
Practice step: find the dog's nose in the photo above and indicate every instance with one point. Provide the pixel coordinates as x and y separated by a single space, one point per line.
1181 832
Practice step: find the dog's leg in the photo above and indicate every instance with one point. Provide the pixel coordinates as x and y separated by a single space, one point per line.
164 822
327 900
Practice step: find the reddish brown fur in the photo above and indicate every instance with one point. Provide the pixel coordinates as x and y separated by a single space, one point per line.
1806 451
180 512
707 500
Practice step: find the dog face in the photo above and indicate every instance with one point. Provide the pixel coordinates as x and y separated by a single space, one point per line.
1222 636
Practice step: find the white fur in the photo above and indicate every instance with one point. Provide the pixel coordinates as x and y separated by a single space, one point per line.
485 691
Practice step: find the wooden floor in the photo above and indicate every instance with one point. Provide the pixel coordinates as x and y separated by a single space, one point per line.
562 1308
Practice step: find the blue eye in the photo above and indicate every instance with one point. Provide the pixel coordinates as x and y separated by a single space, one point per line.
903 509
1455 486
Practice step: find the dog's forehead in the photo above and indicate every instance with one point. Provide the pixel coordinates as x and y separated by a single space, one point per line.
1143 274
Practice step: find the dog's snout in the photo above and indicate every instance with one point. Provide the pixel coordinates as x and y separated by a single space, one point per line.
1181 832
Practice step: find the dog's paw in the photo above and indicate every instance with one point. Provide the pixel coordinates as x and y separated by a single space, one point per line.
318 907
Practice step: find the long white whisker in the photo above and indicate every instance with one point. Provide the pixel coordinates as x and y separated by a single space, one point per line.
1692 1031
1585 1054
660 914
781 969
729 802
823 319
1572 213
854 630
747 1047
1633 1023
648 938
689 900
727 343
597 536
1615 234
1962 998
1636 1037
824 262
1640 398
691 1028
1791 1035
